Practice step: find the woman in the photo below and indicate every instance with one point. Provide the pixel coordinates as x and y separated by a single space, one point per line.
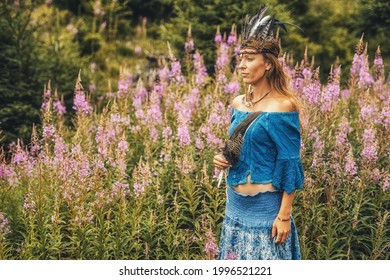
260 187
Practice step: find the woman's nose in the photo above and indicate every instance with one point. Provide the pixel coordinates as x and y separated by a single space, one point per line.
241 65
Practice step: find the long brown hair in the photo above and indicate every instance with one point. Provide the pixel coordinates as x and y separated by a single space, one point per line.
278 80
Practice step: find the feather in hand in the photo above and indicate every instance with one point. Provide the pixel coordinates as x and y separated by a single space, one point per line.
233 145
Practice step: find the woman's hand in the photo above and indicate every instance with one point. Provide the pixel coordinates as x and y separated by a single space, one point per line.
220 162
281 229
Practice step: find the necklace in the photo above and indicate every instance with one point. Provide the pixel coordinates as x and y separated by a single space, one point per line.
250 103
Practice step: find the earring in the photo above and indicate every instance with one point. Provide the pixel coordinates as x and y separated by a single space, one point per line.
248 97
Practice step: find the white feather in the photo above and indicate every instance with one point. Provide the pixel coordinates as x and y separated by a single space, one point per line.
262 21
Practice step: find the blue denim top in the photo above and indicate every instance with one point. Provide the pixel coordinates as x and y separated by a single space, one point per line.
270 151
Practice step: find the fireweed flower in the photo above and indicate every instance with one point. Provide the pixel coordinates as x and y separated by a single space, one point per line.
312 91
48 131
189 45
176 72
342 142
232 39
139 96
80 104
10 174
20 156
142 178
60 149
153 133
222 63
365 78
193 98
185 163
307 73
232 88
199 143
356 64
123 146
121 189
183 111
159 89
138 50
82 215
331 93
299 81
117 119
385 116
154 114
164 73
358 59
124 84
102 141
221 78
369 112
369 152
46 98
138 189
4 225
223 58
218 37
199 69
167 132
217 117
318 148
2 170
345 93
29 204
211 247
59 107
183 135
376 175
350 165
210 138
378 66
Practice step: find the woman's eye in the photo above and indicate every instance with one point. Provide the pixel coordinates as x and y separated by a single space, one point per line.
250 58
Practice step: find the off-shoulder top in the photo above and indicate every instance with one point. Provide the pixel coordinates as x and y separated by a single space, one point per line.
270 151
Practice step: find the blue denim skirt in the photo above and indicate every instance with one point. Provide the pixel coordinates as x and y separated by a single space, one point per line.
247 227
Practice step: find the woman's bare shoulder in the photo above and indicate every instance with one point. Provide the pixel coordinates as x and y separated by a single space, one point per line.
236 101
281 104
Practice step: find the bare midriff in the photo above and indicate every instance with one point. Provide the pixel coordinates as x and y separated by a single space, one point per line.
249 188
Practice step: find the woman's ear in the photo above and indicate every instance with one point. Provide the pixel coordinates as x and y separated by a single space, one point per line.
268 65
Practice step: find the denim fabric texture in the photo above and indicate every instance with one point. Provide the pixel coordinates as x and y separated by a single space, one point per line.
247 227
270 152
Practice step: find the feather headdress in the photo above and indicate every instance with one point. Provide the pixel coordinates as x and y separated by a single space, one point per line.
257 32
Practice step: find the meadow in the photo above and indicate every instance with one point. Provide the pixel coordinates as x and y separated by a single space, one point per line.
136 180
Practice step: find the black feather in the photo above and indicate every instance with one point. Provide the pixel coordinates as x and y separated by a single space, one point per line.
282 24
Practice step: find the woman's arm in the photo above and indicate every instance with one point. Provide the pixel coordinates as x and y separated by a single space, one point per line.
281 226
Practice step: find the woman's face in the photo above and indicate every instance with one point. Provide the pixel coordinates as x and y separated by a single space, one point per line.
252 66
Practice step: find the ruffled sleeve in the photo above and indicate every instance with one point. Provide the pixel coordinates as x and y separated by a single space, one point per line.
284 130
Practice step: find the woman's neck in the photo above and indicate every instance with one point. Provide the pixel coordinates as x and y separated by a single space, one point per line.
260 88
